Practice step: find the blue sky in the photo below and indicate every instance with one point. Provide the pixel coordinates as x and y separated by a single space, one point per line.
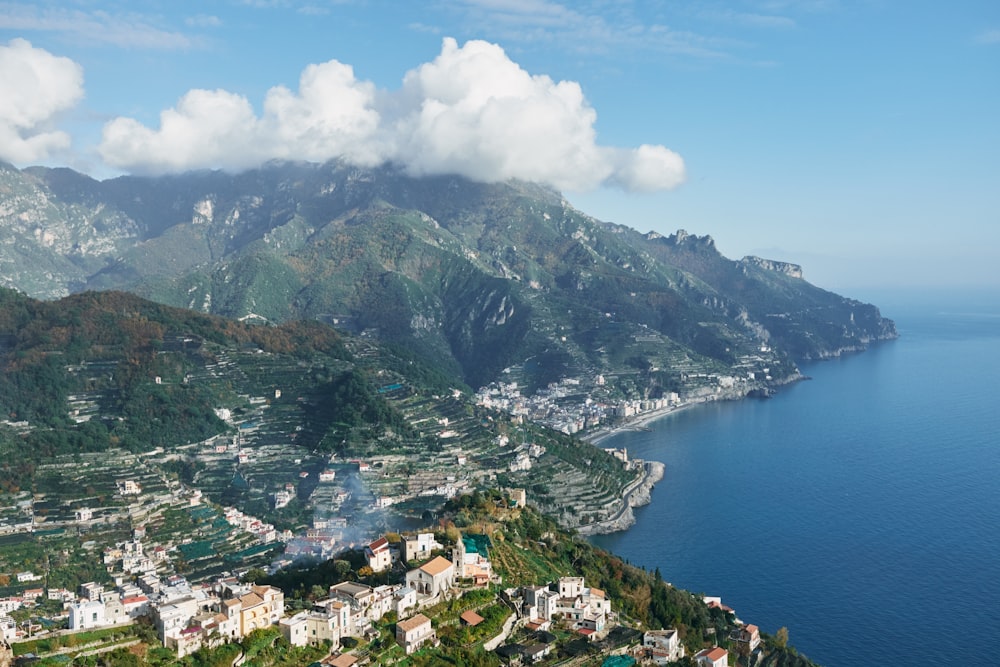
859 138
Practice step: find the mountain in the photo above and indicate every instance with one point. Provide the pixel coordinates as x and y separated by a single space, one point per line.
480 278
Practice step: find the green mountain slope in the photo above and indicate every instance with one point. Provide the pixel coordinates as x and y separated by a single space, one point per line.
476 277
241 410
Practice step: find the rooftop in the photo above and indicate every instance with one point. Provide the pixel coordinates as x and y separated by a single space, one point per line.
436 565
412 623
471 618
342 660
712 654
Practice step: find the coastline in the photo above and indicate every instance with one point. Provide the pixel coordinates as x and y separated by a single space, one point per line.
637 423
639 492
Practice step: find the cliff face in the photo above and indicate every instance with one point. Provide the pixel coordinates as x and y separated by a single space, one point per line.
635 496
792 270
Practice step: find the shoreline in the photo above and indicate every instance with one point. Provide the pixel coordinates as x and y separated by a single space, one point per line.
639 492
636 494
637 423
641 421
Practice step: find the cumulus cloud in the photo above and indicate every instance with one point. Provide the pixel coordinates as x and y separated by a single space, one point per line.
330 116
35 86
471 111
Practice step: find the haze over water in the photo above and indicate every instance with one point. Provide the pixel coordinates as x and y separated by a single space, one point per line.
860 509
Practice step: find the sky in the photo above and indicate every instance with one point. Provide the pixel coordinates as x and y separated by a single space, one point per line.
857 138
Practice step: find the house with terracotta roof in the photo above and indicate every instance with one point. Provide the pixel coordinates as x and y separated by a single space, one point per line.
746 637
263 606
135 605
434 577
471 618
586 609
712 657
414 632
341 660
378 556
715 602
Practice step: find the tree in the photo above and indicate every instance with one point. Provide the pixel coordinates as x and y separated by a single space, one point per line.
781 637
341 568
254 575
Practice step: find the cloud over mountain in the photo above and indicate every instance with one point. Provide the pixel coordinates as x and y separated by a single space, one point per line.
470 111
35 86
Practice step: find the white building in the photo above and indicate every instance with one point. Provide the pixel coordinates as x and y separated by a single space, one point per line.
129 487
433 577
539 603
413 633
378 556
420 546
571 587
712 657
663 646
293 629
405 598
86 615
8 628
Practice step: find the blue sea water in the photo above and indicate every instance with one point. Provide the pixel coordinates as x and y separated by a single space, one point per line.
861 508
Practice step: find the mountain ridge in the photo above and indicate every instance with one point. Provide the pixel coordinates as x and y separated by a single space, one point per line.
480 277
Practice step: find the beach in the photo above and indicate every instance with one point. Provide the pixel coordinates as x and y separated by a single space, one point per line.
638 422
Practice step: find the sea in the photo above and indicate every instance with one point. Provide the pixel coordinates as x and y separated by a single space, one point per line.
859 508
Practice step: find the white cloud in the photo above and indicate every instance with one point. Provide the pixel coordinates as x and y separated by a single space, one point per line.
475 112
35 86
206 128
471 111
330 116
649 169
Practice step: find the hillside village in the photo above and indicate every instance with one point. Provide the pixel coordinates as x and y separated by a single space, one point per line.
401 599
254 538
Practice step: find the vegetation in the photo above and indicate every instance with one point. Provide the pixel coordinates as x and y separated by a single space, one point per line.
101 370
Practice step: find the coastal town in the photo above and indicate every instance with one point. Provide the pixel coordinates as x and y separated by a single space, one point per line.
594 404
439 586
176 540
